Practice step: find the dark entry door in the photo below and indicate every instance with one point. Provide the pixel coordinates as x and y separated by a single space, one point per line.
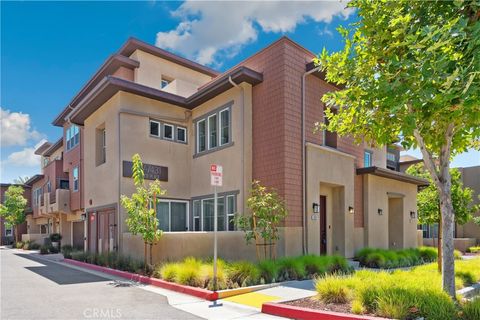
323 225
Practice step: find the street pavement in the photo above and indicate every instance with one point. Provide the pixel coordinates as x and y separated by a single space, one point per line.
33 288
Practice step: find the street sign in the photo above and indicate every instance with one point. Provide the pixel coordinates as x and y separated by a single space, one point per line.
216 175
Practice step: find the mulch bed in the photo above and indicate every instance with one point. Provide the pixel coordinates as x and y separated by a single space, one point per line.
315 303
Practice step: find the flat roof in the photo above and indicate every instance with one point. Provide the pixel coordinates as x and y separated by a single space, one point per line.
395 175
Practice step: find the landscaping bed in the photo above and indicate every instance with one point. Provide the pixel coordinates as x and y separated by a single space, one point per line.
401 294
389 259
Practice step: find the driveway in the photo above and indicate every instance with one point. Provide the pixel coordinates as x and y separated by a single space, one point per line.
32 288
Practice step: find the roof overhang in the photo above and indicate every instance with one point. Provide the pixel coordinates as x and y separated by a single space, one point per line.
40 150
133 44
109 67
54 147
110 85
321 74
34 179
390 174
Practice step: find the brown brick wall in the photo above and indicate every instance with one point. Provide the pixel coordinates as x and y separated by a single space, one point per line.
71 159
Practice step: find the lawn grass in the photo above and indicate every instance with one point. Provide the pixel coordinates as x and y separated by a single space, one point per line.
401 294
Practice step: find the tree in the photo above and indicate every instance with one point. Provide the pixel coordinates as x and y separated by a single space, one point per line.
428 201
268 210
141 208
410 72
13 208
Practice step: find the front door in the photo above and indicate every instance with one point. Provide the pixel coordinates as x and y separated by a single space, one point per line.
107 230
323 225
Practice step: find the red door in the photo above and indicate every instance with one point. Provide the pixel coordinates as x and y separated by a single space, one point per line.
323 225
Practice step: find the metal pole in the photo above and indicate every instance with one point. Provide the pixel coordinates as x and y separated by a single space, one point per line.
215 240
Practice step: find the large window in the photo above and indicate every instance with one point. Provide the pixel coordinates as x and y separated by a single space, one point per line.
75 179
203 213
172 215
73 136
367 159
214 130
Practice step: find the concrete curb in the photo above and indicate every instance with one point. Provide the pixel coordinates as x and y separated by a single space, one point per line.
197 292
235 292
292 312
471 291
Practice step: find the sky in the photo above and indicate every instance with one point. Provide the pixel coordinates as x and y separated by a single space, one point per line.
49 50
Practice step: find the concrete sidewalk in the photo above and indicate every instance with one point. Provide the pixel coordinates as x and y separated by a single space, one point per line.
187 303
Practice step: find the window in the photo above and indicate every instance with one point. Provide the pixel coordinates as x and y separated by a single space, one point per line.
181 134
197 212
45 161
203 213
154 128
367 159
75 179
231 212
104 146
73 136
168 131
36 196
64 184
100 145
172 215
49 187
201 137
224 126
165 82
391 156
208 213
8 231
214 130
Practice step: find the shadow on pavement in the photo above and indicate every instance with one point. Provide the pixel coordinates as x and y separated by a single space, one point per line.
303 284
59 274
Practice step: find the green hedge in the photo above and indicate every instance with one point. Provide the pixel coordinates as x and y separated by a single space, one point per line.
387 259
112 260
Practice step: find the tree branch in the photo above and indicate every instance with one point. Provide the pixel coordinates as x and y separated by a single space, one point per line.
427 158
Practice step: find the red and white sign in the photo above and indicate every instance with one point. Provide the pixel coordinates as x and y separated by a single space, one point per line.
216 175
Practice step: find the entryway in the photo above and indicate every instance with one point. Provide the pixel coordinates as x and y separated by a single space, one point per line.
102 231
395 222
323 225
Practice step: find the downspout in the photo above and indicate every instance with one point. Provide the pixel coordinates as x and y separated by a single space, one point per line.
304 176
242 121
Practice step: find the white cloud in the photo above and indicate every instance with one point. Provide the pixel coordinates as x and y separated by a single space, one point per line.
210 29
25 157
16 129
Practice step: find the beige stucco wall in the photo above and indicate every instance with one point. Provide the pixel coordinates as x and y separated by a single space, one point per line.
376 196
330 172
152 68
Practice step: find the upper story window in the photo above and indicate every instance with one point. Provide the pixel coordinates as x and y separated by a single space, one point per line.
73 136
100 145
75 179
49 186
391 156
36 196
329 137
45 161
214 130
165 82
367 159
168 131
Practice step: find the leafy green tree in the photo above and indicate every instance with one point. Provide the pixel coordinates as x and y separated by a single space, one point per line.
141 208
13 208
410 72
428 201
267 211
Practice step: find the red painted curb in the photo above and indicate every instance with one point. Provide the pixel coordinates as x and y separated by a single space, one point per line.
197 292
292 312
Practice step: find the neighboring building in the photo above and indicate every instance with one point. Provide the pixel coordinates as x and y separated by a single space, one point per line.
470 179
6 233
181 117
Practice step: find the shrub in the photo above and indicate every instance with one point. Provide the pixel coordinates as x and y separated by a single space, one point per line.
474 249
428 254
79 255
357 307
168 272
55 237
67 251
243 273
395 303
291 269
457 254
269 270
44 250
471 309
34 246
19 244
52 249
382 258
332 289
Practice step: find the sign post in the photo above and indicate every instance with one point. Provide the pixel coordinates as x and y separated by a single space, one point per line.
216 180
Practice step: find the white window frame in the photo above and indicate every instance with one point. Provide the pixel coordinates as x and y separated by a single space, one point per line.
77 178
216 131
202 216
199 216
170 213
370 156
227 211
71 134
205 135
184 134
159 128
221 127
173 131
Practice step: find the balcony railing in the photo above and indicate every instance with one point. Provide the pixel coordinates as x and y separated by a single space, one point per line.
53 197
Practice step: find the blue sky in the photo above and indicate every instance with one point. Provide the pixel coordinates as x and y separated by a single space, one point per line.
50 49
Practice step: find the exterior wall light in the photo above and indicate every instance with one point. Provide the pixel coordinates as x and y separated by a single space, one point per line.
412 215
350 210
380 212
316 208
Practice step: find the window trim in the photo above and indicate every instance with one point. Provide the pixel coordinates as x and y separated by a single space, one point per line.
227 214
159 128
201 199
71 135
204 136
104 146
163 131
216 131
77 179
221 128
187 209
370 153
184 134
10 229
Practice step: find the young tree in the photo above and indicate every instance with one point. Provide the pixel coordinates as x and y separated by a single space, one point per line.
410 72
13 208
428 201
268 210
142 208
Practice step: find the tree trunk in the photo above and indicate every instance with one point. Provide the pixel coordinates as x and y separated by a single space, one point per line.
14 235
439 245
145 257
151 248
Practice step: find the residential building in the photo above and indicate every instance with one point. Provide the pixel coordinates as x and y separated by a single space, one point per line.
7 232
257 120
